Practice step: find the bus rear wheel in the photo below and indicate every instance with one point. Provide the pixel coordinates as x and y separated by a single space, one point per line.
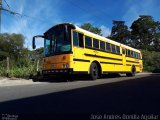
132 73
94 71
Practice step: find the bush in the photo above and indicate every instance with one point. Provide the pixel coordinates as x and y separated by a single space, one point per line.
19 71
151 60
22 72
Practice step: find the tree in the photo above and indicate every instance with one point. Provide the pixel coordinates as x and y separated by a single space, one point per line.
156 39
91 28
120 32
11 44
145 33
151 60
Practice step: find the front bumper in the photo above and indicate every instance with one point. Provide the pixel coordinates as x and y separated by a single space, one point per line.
57 71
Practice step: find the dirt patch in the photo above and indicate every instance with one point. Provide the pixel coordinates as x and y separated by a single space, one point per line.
15 81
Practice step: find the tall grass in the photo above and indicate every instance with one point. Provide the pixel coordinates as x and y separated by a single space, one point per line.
3 71
22 72
18 71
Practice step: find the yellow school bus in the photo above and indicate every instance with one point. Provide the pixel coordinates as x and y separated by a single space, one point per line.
69 49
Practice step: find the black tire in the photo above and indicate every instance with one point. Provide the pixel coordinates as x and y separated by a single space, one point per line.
35 79
94 71
69 78
133 72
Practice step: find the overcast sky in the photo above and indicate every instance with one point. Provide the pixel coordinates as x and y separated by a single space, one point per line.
43 14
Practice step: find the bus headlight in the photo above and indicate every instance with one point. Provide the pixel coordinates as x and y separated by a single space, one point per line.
53 65
65 65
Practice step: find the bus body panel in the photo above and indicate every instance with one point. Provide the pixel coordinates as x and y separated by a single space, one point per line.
57 61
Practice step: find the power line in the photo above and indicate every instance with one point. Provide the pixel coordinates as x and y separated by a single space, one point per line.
20 15
20 20
7 4
24 15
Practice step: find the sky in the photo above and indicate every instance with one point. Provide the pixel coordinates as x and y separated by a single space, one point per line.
40 15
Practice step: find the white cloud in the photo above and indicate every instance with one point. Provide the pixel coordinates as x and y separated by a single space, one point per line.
105 31
41 18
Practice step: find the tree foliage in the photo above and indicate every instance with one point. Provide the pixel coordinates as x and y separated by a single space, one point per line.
91 28
145 33
11 45
151 60
120 32
20 63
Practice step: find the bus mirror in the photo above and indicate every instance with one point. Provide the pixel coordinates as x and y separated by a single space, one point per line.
33 43
33 40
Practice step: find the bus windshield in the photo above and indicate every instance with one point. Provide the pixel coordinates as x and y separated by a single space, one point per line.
57 41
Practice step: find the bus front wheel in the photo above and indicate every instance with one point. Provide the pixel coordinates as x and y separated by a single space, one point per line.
94 71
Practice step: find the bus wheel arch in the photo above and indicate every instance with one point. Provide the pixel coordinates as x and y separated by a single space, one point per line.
95 65
133 71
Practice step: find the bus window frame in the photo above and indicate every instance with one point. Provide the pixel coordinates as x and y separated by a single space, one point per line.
78 38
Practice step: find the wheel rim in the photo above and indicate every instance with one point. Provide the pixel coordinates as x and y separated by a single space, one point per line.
133 71
95 70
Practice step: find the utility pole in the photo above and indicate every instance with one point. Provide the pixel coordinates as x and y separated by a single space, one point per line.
0 14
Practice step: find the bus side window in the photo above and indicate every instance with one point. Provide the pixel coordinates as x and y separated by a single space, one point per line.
126 52
113 48
78 39
75 39
136 55
96 43
102 45
129 53
81 43
108 47
123 51
88 41
118 49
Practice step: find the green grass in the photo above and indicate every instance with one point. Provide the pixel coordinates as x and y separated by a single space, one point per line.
19 72
22 72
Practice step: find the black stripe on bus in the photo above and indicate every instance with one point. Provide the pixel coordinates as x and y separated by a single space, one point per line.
81 60
128 65
136 65
102 57
131 65
131 61
80 72
111 63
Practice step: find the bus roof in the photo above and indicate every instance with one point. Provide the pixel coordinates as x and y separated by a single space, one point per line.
97 36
